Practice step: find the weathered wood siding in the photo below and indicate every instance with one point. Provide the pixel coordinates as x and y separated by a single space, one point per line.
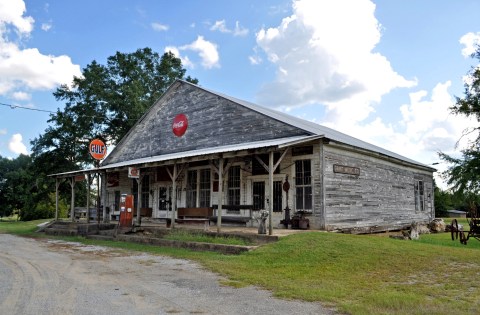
381 196
212 121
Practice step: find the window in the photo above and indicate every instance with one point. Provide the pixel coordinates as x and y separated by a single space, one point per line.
303 185
192 188
277 196
145 191
198 184
233 196
258 195
205 188
419 196
144 194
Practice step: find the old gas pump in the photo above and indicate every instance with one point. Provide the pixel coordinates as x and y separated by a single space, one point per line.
126 210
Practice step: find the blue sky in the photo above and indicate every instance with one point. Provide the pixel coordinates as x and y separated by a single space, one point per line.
384 71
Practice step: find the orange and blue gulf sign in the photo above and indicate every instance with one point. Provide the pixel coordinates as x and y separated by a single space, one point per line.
97 149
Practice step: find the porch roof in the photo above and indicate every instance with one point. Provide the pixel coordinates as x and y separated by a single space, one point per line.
278 143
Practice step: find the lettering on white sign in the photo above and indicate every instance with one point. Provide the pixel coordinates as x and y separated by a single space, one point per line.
342 169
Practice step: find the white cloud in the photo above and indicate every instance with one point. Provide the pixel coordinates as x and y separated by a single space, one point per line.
221 26
46 26
206 50
28 67
3 132
471 42
159 27
11 12
21 96
324 54
239 30
255 59
16 145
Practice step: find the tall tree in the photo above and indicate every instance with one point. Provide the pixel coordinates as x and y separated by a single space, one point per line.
464 173
105 102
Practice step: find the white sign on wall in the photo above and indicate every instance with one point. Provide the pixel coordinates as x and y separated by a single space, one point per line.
133 172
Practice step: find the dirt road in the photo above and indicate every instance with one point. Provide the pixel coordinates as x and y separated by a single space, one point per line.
55 277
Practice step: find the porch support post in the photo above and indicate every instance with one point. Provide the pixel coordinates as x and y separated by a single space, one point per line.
88 197
270 186
220 195
174 194
139 197
104 197
72 202
57 184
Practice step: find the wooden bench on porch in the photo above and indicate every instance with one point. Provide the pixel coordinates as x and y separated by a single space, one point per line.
234 219
193 216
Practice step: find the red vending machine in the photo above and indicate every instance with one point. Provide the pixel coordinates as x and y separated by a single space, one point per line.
126 210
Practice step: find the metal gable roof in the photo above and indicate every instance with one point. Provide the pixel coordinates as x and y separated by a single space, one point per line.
316 129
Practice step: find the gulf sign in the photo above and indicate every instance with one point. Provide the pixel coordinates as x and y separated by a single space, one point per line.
97 149
180 125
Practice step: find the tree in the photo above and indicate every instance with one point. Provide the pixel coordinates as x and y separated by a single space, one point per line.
464 173
105 103
17 184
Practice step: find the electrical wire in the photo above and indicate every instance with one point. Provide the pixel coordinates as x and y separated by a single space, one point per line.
28 108
49 111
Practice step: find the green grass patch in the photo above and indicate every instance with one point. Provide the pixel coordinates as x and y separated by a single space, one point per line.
190 236
20 227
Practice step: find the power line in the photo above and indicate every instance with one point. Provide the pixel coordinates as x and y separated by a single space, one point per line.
49 111
28 108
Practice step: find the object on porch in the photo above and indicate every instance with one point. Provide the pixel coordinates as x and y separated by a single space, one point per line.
232 219
286 188
299 221
146 212
262 226
193 216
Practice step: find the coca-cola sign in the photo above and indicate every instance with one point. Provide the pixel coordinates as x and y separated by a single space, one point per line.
180 125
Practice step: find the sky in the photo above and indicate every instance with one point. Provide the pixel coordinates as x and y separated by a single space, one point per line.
386 72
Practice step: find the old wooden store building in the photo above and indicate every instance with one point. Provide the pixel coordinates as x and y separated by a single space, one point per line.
197 148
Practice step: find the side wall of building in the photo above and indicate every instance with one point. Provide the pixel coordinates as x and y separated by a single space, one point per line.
363 191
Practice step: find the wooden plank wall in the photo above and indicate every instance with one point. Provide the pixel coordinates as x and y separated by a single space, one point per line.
382 195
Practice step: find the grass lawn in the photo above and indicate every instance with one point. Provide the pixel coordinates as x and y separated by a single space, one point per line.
356 274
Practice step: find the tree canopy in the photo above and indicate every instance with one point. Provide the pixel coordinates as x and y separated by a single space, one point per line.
464 173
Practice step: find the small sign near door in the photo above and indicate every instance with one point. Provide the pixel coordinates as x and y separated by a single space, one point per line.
133 172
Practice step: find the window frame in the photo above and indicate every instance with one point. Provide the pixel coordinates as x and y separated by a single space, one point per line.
303 186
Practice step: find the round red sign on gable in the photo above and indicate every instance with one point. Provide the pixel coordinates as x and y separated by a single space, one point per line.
180 125
97 149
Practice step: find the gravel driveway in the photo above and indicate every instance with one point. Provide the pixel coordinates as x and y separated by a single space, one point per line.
56 277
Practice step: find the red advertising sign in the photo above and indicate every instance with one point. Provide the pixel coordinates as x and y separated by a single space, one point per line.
180 125
97 149
133 172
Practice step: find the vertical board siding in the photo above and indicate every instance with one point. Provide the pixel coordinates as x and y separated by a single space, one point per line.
382 195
